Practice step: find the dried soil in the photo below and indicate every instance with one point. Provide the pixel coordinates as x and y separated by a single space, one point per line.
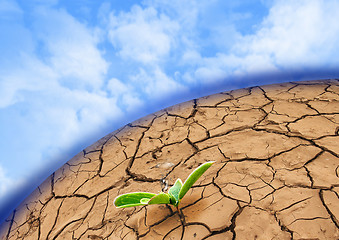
276 174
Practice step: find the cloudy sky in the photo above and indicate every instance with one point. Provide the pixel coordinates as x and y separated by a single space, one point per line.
71 71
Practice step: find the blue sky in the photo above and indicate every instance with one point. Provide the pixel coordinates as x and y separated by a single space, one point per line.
72 71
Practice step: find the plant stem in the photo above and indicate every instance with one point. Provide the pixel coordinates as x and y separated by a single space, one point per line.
182 218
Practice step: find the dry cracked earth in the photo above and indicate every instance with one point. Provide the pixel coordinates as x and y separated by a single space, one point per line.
276 174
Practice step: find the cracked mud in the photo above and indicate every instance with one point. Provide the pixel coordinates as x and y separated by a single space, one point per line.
276 174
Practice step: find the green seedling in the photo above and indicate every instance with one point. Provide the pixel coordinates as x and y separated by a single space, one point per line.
173 197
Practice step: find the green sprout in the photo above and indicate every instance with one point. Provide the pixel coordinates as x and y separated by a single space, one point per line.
173 197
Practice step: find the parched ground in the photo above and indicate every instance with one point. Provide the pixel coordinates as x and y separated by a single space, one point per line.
276 174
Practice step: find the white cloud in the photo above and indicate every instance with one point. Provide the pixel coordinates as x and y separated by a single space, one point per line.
126 94
54 117
71 49
156 84
149 36
65 55
28 75
116 87
73 111
7 184
295 33
191 57
56 90
142 35
131 102
184 12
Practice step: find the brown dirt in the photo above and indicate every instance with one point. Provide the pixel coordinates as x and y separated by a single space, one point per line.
276 174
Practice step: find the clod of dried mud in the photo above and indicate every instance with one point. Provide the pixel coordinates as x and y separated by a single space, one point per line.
276 174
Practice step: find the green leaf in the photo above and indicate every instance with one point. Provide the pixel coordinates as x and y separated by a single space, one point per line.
193 177
132 199
161 198
144 200
174 192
